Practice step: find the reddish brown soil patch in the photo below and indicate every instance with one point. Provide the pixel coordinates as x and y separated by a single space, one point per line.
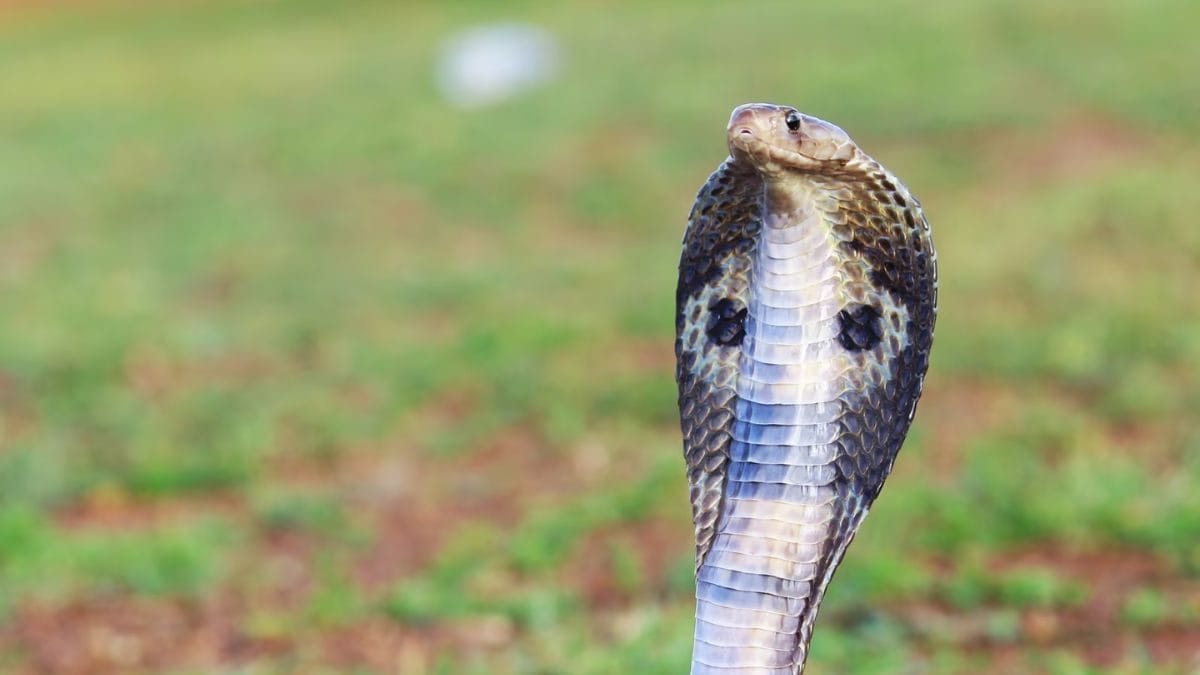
120 635
1110 577
1078 144
383 646
512 472
652 355
1175 645
655 544
18 416
153 374
1107 575
963 411
1094 631
279 573
406 538
412 502
112 508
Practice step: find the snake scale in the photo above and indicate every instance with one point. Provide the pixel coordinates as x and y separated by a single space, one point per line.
804 317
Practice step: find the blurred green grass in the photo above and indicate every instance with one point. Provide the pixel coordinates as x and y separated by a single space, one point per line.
247 255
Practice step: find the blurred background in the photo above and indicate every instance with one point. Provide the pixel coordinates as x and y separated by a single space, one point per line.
338 338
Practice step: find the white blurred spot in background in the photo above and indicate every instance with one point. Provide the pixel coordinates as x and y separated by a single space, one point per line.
488 64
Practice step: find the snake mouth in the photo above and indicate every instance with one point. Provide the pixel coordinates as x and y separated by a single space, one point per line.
747 144
742 138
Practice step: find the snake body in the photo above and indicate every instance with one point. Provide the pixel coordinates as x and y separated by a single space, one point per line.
804 317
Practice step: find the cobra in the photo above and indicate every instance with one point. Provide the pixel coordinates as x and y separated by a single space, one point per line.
804 317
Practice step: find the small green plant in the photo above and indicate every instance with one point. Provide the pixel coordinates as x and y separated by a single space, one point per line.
1039 587
1145 607
283 510
35 558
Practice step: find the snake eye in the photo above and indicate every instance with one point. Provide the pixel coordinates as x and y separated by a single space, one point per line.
793 121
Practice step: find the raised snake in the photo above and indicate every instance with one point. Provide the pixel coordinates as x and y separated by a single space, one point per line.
804 317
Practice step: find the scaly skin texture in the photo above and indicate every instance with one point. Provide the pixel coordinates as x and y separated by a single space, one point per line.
804 316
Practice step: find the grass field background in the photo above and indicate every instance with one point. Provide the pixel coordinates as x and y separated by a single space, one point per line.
303 370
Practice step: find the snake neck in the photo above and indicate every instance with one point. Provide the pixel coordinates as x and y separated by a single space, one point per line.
777 540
